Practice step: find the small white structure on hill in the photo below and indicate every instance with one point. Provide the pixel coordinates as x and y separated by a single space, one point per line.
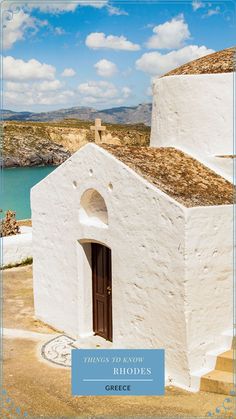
134 244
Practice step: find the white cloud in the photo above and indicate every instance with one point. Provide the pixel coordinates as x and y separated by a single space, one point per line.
59 31
32 96
31 83
55 6
17 25
103 92
45 6
106 68
157 64
44 86
149 26
126 91
197 5
12 86
98 90
20 70
34 93
212 12
112 10
14 30
47 86
98 4
68 72
171 34
98 40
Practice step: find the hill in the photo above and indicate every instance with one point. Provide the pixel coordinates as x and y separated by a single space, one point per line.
121 115
51 143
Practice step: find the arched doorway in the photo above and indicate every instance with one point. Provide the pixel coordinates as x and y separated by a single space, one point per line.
94 268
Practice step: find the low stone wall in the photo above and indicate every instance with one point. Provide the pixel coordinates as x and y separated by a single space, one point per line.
26 222
18 248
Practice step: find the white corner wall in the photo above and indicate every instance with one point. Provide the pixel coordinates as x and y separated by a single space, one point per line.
17 248
171 266
209 282
194 113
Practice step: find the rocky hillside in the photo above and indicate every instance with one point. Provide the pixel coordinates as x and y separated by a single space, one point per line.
40 144
122 115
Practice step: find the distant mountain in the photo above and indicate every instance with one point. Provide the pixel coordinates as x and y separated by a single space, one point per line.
121 115
15 116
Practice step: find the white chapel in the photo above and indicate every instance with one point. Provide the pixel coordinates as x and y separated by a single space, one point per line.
134 245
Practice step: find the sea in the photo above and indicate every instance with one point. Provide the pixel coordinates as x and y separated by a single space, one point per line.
15 188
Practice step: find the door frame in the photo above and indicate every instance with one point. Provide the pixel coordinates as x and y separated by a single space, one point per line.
106 297
85 287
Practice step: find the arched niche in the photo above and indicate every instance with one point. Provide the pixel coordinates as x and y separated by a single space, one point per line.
93 209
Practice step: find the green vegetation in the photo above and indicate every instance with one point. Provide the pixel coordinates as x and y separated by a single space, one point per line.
24 262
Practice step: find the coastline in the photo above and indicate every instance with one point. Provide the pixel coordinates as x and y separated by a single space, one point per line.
21 166
35 144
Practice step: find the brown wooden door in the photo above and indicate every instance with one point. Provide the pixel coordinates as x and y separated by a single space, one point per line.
102 291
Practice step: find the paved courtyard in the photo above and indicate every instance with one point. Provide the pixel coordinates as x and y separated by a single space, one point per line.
41 388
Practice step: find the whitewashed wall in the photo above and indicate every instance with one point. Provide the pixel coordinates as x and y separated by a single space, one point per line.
16 249
194 113
151 263
209 281
148 274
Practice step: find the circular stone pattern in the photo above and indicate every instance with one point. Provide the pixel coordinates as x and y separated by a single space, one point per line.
58 350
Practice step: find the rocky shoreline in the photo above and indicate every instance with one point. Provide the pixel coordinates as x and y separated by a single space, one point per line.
48 144
46 157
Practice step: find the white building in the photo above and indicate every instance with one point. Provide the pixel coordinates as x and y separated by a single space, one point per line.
193 110
134 244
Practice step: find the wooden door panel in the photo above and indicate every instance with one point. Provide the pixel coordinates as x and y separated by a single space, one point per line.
102 298
101 318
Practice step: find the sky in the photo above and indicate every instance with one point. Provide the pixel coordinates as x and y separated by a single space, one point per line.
103 53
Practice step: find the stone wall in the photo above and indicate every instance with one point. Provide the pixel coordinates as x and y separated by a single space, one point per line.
16 249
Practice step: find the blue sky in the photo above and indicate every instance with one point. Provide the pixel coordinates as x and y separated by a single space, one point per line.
103 53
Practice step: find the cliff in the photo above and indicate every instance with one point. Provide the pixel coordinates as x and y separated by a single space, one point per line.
41 144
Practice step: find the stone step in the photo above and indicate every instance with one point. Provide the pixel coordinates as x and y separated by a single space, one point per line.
93 342
216 381
225 362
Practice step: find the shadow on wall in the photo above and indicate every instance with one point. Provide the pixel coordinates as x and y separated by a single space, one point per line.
93 209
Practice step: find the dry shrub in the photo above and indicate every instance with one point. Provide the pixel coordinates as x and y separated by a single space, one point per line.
9 225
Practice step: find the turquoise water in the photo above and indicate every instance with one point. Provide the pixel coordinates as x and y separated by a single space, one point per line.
15 188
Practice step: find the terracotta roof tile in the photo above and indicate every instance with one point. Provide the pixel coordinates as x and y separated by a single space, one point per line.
219 62
177 174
